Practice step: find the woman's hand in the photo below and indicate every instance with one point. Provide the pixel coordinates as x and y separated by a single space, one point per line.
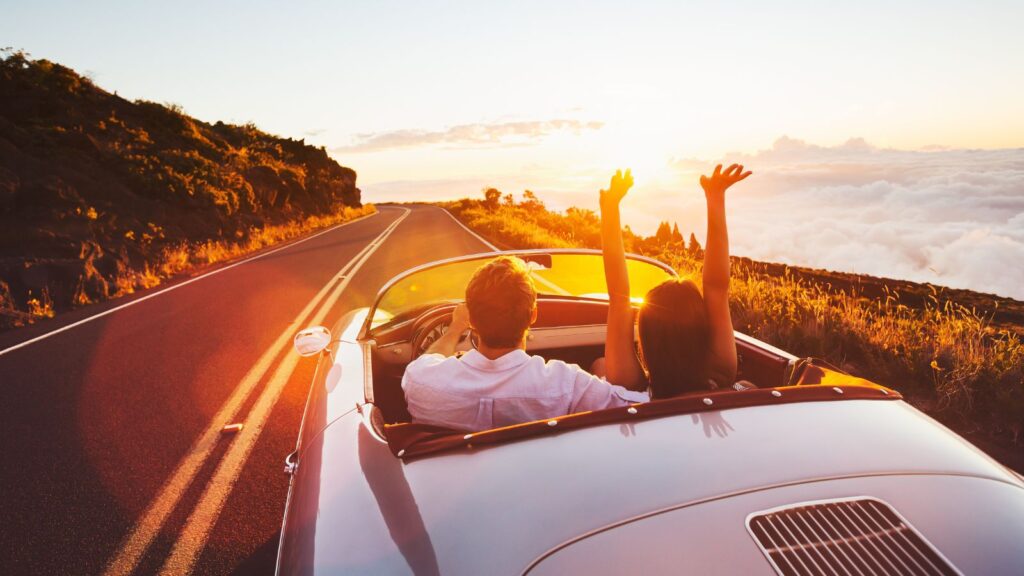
722 362
621 183
715 185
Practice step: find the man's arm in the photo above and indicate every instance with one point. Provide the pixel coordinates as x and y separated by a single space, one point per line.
592 393
445 345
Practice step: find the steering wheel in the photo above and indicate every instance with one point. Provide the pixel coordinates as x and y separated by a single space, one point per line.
430 326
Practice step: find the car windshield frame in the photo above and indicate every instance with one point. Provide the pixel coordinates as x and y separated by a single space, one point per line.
529 255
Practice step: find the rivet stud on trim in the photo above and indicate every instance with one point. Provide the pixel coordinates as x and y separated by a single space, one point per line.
776 393
709 401
552 422
837 389
631 410
401 453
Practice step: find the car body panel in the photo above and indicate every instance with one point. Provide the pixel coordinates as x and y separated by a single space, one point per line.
350 509
556 502
337 389
978 531
497 509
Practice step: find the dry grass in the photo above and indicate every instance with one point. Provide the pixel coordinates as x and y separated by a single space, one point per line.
946 358
170 261
36 308
174 260
42 306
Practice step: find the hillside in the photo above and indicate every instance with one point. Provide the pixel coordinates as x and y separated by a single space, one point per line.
100 196
956 354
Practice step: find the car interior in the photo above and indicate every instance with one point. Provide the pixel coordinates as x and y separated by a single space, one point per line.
567 329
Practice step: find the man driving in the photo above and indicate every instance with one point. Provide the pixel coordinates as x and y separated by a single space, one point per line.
499 384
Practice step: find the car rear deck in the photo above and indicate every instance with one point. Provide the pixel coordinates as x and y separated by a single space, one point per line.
528 504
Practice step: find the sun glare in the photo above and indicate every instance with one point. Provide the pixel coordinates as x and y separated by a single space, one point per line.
640 147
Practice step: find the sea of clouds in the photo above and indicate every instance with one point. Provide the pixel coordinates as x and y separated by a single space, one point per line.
950 217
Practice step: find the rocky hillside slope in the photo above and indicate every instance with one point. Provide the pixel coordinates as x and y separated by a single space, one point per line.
97 192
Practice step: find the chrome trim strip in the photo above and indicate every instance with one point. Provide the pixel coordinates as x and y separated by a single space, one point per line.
867 553
791 538
860 541
772 540
855 510
909 543
877 529
320 432
824 561
834 529
765 346
367 346
820 540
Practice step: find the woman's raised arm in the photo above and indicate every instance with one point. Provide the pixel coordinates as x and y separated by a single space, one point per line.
621 364
722 361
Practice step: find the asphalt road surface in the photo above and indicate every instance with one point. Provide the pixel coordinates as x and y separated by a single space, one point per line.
106 413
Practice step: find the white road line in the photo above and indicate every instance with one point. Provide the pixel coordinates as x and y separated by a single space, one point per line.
490 246
494 248
152 520
200 523
174 287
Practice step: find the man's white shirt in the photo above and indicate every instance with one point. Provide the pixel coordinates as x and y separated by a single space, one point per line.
476 393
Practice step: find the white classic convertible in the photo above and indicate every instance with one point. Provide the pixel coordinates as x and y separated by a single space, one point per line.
813 472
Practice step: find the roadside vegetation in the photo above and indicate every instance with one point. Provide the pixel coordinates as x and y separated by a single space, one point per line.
173 260
939 347
101 196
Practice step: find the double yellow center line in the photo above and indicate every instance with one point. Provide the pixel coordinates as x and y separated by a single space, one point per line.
200 522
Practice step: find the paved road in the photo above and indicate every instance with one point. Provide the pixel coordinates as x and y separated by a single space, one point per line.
95 420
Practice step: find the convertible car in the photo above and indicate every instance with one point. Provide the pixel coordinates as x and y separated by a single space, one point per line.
813 472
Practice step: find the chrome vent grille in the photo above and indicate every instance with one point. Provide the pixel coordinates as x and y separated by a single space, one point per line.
855 536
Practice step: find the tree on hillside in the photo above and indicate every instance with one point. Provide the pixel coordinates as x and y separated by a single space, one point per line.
694 247
629 239
492 196
531 202
664 233
677 236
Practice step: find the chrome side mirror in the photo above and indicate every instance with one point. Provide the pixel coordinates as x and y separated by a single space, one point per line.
312 340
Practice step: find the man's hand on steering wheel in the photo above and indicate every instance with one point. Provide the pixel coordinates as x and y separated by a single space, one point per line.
447 342
460 319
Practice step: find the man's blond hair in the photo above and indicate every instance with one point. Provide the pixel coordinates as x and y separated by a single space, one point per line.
501 298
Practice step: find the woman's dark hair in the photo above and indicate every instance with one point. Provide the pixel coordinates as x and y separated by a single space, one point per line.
674 338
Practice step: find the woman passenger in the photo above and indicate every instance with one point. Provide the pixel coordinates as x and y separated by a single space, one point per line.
686 337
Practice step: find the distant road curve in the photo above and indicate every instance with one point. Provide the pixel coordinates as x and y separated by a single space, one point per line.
111 416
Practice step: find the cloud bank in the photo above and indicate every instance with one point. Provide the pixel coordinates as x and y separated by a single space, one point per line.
951 217
476 135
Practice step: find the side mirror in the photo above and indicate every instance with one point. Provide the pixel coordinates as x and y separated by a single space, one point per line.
312 340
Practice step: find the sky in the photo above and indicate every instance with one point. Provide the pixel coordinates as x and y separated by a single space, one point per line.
885 137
